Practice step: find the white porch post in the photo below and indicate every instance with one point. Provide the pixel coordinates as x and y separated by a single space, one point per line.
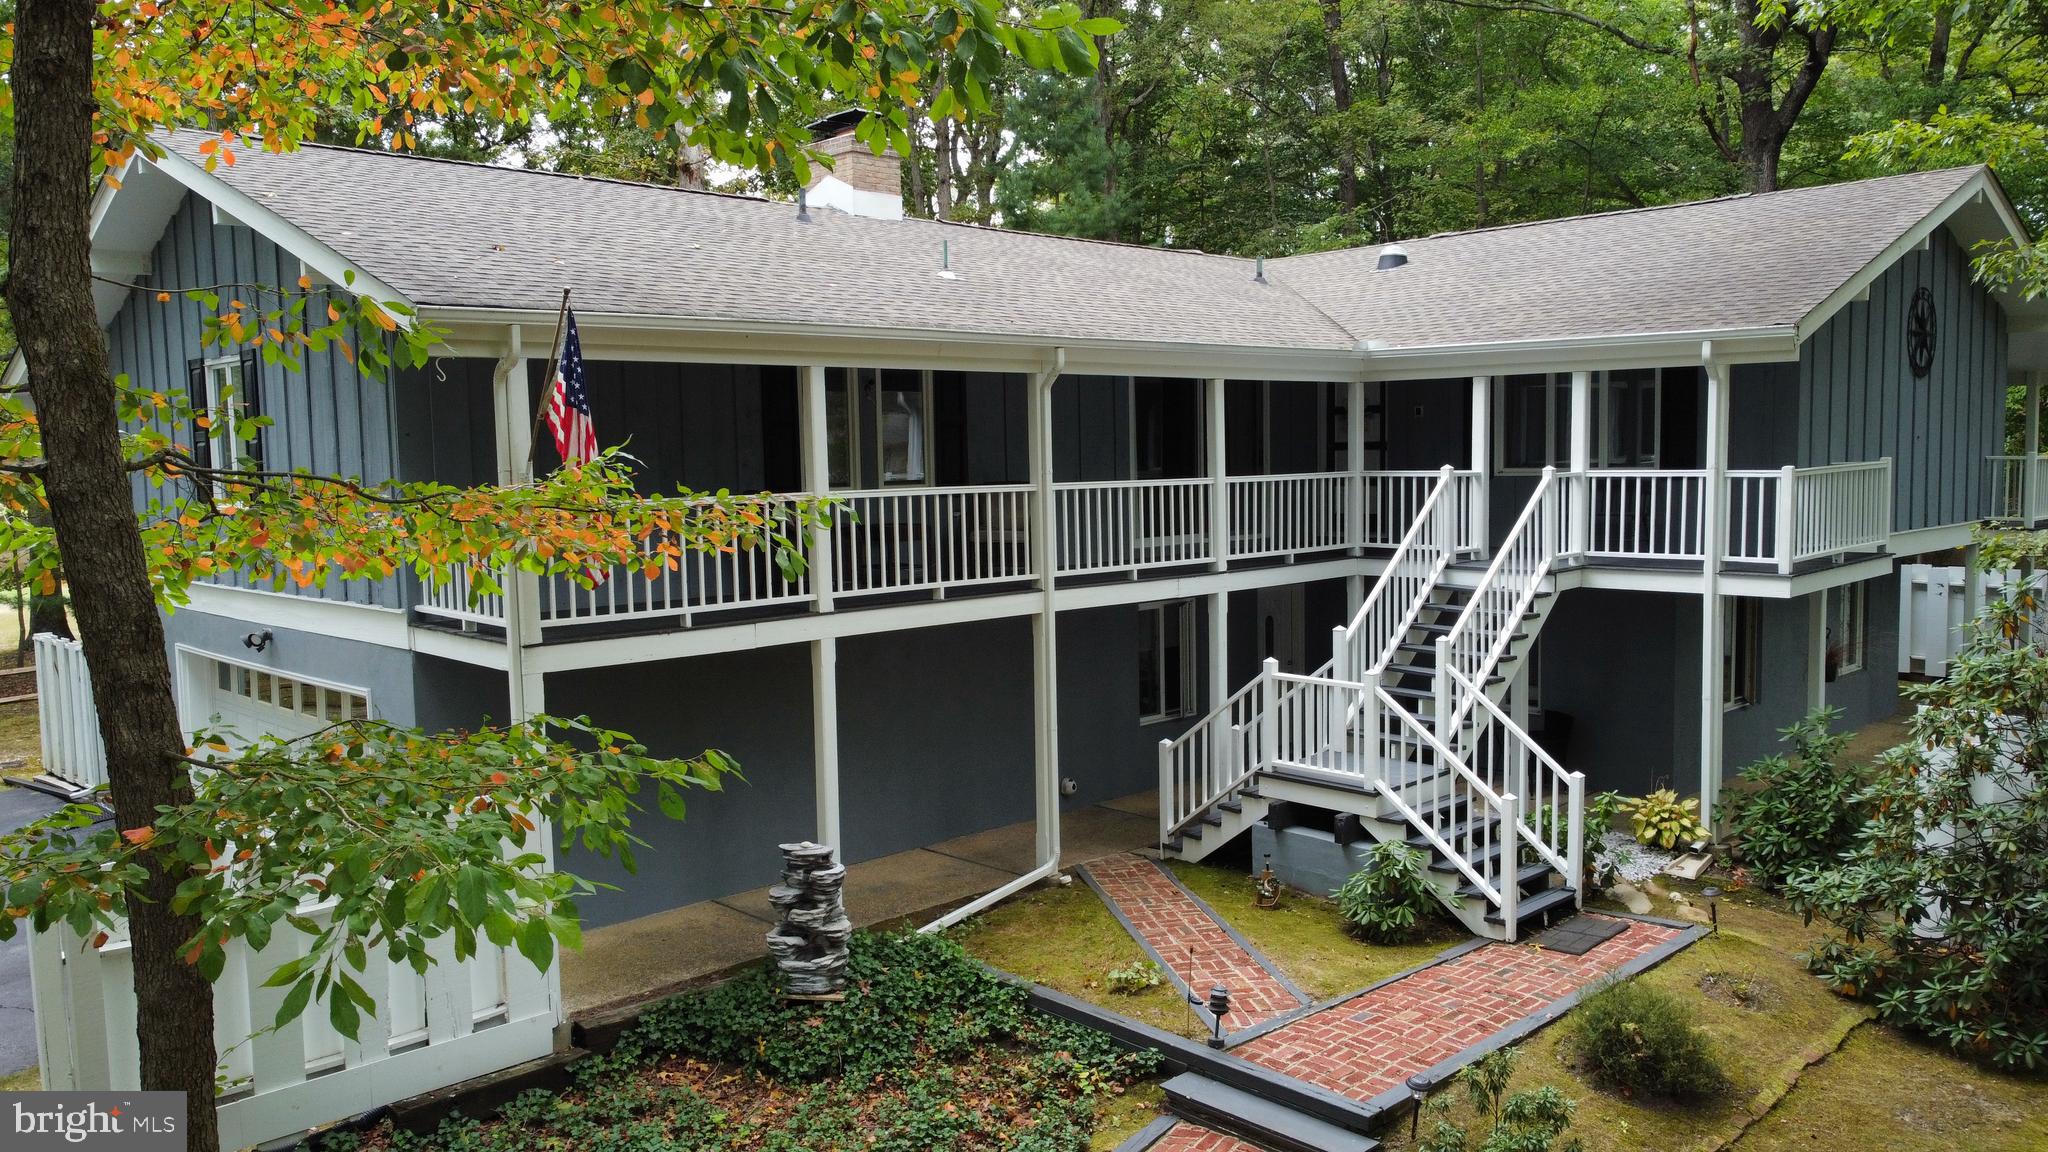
1476 523
1713 534
1044 625
1219 478
1817 650
512 407
817 480
2030 483
1219 649
1582 463
1354 463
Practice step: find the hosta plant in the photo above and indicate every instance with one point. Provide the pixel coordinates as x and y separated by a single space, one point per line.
1133 978
1663 820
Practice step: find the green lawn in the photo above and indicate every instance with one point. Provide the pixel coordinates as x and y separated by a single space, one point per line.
21 737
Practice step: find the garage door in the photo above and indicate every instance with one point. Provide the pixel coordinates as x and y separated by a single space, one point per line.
244 703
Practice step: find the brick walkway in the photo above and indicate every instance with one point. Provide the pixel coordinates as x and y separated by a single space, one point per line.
1171 923
1186 1137
1370 1043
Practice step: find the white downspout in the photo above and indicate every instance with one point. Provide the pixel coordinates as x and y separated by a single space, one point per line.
1045 657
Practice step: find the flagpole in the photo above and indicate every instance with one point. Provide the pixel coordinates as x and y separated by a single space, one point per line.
547 392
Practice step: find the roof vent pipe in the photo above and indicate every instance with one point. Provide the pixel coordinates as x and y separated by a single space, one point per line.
1391 257
1259 276
803 205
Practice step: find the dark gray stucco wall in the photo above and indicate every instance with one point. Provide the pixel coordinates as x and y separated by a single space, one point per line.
1625 667
385 673
755 706
1858 398
450 696
328 417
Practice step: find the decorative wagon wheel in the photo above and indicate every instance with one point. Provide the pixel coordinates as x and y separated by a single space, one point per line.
1921 329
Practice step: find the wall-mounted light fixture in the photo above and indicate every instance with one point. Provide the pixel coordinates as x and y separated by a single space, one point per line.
257 641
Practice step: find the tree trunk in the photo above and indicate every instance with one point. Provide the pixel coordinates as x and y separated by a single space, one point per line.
1479 103
49 290
1937 46
1340 99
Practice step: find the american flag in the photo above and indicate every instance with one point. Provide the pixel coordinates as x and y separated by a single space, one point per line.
569 402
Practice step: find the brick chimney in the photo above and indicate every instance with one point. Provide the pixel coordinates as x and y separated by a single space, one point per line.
860 182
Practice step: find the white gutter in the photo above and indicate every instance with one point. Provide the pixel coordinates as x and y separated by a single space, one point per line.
1772 344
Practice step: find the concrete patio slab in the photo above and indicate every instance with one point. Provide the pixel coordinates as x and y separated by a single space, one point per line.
640 960
1144 804
1086 834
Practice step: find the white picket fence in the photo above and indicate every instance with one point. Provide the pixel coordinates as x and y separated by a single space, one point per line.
72 751
1932 614
457 1021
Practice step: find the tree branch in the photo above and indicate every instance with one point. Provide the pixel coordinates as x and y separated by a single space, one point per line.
1533 7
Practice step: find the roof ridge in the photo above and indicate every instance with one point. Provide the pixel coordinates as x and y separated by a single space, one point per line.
1638 210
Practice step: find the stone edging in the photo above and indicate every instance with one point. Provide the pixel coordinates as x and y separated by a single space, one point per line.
1149 1135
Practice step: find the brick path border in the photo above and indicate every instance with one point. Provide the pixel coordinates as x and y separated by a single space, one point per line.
1172 974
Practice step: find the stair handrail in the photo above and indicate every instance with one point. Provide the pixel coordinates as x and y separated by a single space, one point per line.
1502 890
1421 556
1222 729
1551 786
1502 597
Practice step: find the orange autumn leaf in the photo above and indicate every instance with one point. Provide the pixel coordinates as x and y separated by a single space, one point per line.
139 836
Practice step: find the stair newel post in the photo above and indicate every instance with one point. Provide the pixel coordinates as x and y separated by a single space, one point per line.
1269 713
1788 507
1342 672
1373 753
1509 862
1169 796
1575 830
1442 685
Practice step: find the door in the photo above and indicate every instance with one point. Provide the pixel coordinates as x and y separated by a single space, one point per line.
1280 628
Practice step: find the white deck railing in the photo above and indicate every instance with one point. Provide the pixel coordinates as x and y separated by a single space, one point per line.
70 722
2019 488
904 539
1283 515
1130 525
1780 518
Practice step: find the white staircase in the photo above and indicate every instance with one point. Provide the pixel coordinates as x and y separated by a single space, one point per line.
1404 726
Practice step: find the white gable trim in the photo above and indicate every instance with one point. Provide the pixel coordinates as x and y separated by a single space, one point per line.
1979 186
232 206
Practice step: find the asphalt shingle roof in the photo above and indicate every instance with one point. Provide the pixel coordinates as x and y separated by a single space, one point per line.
1754 261
454 234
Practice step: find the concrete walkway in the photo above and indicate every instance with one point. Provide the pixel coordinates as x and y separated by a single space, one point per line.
638 960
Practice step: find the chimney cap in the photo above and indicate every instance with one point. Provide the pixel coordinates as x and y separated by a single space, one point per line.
837 124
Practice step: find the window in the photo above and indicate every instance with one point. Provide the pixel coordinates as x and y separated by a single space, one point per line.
1630 417
1535 423
1848 629
1166 666
878 427
228 389
1741 647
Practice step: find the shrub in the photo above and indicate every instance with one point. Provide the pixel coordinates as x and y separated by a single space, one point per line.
1385 899
1801 812
1602 808
1531 1121
1133 978
1942 897
1640 1039
1662 820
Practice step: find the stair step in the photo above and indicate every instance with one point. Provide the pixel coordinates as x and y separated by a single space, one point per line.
1233 807
1211 818
1274 1126
1439 863
1452 832
1540 907
1529 874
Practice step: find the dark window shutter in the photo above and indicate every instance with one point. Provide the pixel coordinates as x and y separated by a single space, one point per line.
202 443
251 401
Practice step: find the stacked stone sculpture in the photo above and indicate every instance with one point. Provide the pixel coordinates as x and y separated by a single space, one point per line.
809 938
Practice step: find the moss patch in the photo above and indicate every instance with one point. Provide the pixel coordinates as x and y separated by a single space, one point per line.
1119 1118
1306 937
1905 1097
1067 939
26 1080
21 737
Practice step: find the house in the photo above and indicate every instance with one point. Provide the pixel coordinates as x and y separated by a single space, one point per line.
1437 535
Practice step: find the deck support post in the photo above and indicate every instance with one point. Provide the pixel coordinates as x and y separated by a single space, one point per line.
817 481
1581 491
825 739
1817 650
2030 481
1354 467
1477 527
1219 649
1045 624
1973 584
1713 539
512 412
1219 476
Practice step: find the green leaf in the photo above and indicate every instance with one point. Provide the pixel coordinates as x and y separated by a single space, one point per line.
536 943
294 1002
341 1012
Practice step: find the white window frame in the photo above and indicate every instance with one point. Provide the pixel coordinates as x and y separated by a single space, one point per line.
1741 653
1160 610
924 432
1603 405
1557 405
222 447
1849 626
